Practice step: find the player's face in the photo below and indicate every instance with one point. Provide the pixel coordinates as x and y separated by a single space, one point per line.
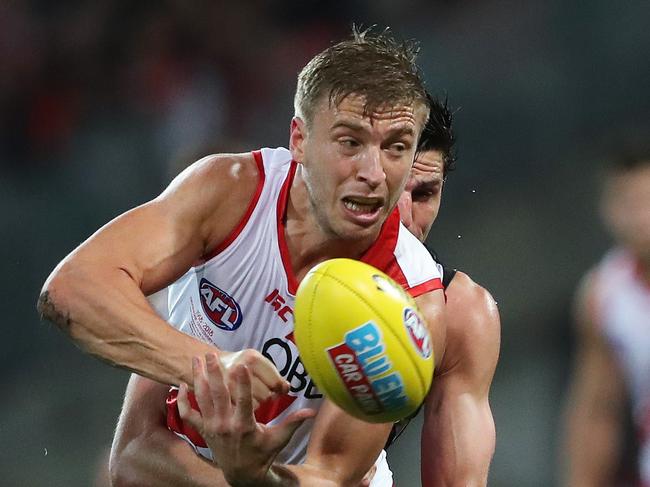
355 166
420 200
627 209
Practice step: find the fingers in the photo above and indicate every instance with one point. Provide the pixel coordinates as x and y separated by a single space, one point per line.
243 399
185 410
211 393
236 394
202 387
282 433
214 397
218 392
270 377
262 370
260 391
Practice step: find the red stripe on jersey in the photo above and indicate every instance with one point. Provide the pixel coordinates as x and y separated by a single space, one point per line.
283 199
425 287
273 407
381 253
176 424
251 206
395 271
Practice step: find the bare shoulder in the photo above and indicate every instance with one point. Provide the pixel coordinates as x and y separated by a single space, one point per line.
216 191
204 178
473 327
471 309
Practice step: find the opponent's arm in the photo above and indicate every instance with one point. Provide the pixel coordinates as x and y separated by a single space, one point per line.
594 415
342 449
458 434
97 293
145 452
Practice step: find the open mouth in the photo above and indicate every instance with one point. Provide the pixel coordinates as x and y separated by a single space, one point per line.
363 208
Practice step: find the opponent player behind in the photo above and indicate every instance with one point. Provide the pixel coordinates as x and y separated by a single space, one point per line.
231 237
612 315
146 453
462 381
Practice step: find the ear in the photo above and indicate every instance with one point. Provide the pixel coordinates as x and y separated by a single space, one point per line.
297 136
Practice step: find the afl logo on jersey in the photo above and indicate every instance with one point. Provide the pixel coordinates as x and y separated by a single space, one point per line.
418 332
219 306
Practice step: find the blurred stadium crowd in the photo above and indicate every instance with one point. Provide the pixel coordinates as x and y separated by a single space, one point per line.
193 69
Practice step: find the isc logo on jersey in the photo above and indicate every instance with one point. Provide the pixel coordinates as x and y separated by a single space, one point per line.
219 306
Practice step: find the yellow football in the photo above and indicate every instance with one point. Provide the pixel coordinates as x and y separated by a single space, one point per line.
362 340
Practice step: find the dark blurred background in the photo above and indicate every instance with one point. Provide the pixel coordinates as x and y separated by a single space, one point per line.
102 102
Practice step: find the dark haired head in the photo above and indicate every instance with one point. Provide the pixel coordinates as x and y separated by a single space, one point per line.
372 65
438 133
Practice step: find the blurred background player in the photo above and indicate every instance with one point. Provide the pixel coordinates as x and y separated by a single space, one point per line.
612 317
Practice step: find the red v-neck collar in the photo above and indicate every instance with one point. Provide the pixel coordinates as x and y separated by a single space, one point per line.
283 201
380 254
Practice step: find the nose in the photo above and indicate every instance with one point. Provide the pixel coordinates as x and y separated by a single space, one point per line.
405 205
370 169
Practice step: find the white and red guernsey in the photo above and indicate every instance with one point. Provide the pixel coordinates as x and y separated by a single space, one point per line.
242 296
623 308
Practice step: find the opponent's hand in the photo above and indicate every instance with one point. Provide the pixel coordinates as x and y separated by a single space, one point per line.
243 448
266 381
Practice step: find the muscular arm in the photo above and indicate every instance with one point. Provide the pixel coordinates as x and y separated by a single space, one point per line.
341 449
97 294
458 434
596 399
145 452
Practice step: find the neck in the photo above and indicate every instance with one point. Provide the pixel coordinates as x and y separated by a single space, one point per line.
307 242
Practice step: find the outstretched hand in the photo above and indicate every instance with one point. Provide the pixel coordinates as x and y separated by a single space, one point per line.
243 448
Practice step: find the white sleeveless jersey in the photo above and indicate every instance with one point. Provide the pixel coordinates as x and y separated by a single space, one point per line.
242 296
624 311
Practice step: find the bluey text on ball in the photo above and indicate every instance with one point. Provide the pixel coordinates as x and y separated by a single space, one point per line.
366 371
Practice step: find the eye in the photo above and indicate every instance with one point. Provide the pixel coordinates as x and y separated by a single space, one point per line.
424 194
398 148
349 143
